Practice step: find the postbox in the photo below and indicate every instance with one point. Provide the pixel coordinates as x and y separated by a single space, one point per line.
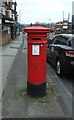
36 83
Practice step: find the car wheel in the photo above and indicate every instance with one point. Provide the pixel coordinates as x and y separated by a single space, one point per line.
58 68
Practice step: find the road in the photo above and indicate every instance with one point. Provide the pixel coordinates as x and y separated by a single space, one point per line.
64 87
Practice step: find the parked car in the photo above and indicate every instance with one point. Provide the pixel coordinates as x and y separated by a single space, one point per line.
61 53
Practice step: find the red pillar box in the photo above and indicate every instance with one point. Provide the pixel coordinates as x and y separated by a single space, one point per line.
36 84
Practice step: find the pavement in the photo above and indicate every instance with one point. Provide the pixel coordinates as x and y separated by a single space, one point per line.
15 101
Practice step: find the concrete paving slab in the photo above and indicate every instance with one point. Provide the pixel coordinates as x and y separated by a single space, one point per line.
13 44
6 65
0 108
0 87
16 44
0 50
8 55
9 51
45 110
0 82
0 75
16 113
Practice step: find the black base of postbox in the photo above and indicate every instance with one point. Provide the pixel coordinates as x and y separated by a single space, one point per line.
36 90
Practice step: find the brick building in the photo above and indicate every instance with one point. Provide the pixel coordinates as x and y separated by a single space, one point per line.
60 27
8 18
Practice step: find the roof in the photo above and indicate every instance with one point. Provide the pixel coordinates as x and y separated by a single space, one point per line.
66 35
37 29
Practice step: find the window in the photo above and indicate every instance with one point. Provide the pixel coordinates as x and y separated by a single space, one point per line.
71 42
55 40
58 40
64 40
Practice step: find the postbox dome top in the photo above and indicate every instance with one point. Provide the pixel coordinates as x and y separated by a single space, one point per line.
36 29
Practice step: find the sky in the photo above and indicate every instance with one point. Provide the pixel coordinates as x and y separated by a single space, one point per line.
43 11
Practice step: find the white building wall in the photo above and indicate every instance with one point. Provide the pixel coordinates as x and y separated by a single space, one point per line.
73 8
